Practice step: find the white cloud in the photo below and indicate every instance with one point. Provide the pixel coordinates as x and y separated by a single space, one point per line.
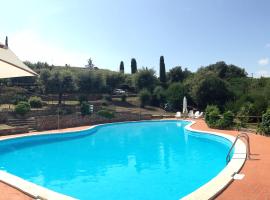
267 45
262 73
263 61
28 45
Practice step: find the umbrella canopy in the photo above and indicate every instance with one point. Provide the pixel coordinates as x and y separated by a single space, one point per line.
185 105
11 66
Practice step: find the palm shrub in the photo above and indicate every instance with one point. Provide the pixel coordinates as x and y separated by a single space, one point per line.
22 108
210 117
145 97
35 102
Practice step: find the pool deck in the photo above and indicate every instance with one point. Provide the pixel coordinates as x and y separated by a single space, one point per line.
254 186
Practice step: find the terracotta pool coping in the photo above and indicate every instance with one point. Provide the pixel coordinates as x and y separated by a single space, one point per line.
243 189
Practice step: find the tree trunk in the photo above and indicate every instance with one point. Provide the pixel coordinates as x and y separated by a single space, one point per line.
60 98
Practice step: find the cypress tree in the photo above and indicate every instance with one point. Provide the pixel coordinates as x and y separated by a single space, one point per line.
133 66
162 70
122 69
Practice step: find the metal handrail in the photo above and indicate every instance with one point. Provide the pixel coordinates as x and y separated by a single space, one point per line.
244 135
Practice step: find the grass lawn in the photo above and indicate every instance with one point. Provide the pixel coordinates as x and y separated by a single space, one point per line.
64 102
4 126
6 106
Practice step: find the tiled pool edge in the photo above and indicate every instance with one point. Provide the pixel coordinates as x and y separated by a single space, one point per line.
216 185
207 191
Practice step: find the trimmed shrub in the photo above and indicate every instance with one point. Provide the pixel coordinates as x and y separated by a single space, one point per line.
145 97
35 102
123 97
22 108
106 114
85 108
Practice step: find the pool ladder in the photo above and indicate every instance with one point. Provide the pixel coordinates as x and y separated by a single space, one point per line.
240 135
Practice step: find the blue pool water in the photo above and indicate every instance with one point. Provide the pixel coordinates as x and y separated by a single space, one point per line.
138 160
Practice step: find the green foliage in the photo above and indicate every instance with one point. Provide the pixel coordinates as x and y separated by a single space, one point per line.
22 108
175 95
106 114
176 74
158 97
18 98
211 90
215 120
107 97
264 127
123 97
212 115
145 97
133 66
66 110
121 68
145 78
114 80
227 121
243 114
90 64
60 82
224 71
162 70
83 98
35 102
85 108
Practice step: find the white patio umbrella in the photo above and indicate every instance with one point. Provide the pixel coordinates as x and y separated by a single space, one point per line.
11 66
185 105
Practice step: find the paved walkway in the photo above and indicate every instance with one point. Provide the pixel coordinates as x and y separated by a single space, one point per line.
254 186
256 183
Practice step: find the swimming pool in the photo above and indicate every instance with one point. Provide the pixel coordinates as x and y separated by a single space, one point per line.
135 160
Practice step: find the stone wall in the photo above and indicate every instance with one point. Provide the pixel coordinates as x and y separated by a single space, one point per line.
14 130
66 121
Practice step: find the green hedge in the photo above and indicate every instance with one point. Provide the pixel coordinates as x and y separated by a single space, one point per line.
35 102
22 108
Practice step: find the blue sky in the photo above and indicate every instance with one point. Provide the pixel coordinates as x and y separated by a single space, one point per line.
188 33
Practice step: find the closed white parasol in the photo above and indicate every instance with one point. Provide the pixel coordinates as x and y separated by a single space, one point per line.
185 110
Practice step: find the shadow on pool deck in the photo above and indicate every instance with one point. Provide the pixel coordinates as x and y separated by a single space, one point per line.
254 186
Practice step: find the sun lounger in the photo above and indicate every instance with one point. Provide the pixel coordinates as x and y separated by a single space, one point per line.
178 115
